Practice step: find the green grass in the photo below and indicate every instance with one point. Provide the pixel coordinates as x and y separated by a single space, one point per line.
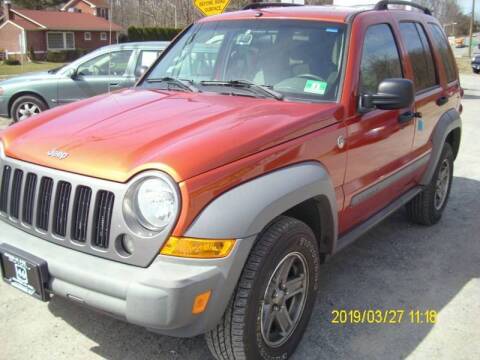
9 70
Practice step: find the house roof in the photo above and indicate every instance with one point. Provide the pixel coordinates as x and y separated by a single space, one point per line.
56 20
25 24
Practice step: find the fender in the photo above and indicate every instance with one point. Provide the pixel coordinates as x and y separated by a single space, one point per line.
246 209
448 122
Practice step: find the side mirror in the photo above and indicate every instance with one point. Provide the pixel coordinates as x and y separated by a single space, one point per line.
71 73
141 71
393 94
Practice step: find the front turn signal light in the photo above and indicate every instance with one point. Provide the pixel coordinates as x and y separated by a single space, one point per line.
200 303
197 248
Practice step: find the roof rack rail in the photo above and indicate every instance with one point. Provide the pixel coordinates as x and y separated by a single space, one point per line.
261 5
383 5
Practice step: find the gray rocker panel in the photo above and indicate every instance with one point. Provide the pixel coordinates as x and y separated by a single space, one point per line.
246 209
449 121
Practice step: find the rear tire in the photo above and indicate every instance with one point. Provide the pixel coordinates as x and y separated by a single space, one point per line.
476 71
274 298
427 207
26 106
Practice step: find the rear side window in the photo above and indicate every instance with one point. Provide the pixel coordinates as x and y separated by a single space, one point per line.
441 42
380 58
420 55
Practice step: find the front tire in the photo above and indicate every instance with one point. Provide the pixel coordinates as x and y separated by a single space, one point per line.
27 106
272 304
427 207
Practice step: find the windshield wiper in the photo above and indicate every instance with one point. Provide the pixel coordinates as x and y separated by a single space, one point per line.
182 84
245 84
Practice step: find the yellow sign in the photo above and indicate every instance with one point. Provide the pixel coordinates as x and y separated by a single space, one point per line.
211 7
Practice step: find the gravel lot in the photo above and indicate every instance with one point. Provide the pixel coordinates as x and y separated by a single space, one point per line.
395 266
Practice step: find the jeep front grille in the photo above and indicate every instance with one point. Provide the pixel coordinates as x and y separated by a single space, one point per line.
50 201
79 212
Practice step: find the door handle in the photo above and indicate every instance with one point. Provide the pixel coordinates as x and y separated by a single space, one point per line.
442 100
406 117
114 84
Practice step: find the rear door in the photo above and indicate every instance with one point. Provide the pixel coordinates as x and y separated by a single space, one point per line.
429 92
451 83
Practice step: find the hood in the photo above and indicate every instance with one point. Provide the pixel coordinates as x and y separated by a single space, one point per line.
115 136
33 76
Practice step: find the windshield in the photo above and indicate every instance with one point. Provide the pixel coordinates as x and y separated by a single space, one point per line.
297 59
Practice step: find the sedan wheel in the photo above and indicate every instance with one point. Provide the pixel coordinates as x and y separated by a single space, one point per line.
26 110
27 106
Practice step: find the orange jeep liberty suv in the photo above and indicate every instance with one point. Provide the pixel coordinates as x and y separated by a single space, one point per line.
261 142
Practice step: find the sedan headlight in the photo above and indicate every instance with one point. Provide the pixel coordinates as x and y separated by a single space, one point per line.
152 202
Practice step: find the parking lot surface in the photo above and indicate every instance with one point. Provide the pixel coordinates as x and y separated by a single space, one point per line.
395 266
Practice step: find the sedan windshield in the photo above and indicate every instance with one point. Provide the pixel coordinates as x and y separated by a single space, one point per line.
297 60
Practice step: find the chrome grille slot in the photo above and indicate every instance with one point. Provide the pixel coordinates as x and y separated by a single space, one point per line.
29 198
81 207
4 190
60 212
16 193
102 218
44 200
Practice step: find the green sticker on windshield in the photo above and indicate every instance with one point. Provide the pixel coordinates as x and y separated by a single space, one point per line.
315 87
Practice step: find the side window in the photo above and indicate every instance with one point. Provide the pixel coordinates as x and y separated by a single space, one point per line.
114 63
420 55
145 60
441 43
380 58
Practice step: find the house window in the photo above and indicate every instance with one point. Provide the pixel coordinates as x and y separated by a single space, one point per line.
88 36
60 41
103 36
102 12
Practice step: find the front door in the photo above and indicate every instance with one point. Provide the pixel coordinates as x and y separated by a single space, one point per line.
379 142
104 73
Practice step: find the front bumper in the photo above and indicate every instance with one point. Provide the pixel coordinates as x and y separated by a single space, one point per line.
159 297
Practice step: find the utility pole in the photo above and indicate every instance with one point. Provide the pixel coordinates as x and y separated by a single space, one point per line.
472 24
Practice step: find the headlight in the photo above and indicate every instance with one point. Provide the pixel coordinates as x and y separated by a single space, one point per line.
151 204
156 202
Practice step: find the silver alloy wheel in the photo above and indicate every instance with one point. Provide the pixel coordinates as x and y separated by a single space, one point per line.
27 109
442 185
284 299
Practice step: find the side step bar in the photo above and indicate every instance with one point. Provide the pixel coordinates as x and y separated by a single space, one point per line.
358 231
